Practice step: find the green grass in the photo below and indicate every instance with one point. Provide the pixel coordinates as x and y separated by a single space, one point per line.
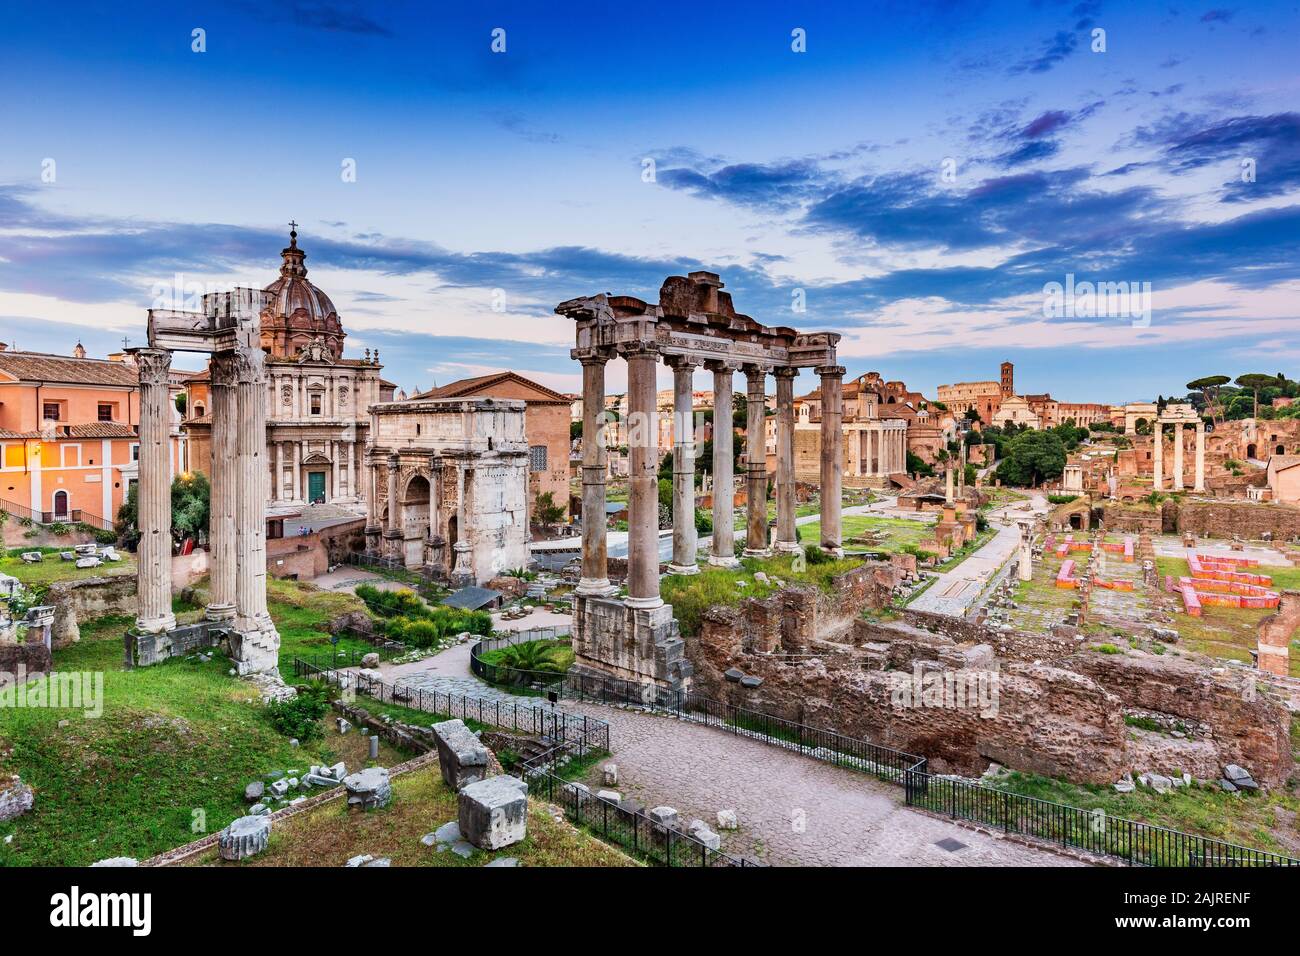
874 533
53 568
173 739
692 595
331 834
1244 818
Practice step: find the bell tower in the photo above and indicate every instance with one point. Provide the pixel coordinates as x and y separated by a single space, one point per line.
1008 380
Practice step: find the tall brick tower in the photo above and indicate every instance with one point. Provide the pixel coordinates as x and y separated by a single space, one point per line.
1008 380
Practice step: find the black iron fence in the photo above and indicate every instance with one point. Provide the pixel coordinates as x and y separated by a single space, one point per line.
1093 831
554 726
515 677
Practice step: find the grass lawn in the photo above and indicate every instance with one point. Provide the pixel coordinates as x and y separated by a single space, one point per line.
874 533
331 834
172 739
1264 821
692 595
54 568
1229 632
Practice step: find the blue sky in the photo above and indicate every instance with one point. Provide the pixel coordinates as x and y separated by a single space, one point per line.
490 186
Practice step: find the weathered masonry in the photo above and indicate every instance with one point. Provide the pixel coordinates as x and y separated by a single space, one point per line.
227 330
693 325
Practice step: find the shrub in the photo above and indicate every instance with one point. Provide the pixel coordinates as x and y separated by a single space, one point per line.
1062 499
300 716
1106 649
816 555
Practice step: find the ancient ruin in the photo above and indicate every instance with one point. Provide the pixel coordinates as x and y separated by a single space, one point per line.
227 330
693 324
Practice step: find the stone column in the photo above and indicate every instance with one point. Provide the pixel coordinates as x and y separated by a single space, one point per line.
393 532
595 467
1200 456
832 459
723 552
334 465
256 646
787 539
1025 568
643 497
224 411
462 572
373 526
947 484
1157 456
1178 456
154 501
756 539
684 537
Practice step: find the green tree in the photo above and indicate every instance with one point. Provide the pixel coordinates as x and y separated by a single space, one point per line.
1255 381
191 504
1210 386
1032 458
546 511
917 466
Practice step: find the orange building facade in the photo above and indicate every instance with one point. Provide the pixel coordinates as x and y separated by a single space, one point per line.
69 439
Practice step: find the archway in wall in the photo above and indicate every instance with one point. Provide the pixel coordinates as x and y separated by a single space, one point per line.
60 505
1250 451
1281 449
415 519
1076 521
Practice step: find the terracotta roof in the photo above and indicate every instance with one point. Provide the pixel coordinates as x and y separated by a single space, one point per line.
468 386
101 430
14 436
38 367
1279 462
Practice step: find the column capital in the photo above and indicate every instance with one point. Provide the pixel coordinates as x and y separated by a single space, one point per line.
221 369
756 369
154 366
722 365
636 350
393 459
592 356
682 362
786 371
249 365
828 371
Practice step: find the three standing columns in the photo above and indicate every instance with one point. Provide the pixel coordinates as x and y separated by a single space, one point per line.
756 463
643 499
684 537
223 404
154 502
832 455
723 552
595 555
787 539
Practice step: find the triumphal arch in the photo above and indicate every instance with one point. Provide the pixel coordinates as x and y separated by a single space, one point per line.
694 324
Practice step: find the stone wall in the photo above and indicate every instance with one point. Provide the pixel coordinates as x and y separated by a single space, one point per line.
84 599
1060 704
1226 519
32 658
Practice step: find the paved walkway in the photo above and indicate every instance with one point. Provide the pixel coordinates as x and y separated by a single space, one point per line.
956 590
793 810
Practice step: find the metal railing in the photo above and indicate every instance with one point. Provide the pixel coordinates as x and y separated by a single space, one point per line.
514 677
1092 831
71 516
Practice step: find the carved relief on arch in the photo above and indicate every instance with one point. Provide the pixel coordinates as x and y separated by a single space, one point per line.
409 474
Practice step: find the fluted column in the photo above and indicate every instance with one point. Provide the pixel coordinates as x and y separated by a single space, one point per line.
684 537
723 552
373 526
832 458
756 463
154 499
393 532
595 468
224 410
250 492
1157 456
1178 456
1200 457
643 496
787 539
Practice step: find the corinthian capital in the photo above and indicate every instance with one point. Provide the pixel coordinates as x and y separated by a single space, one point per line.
249 364
154 366
222 369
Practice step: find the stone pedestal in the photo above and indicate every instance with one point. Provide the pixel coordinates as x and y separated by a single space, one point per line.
643 645
493 813
462 758
368 789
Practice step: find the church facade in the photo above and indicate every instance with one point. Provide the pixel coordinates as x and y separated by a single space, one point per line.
317 422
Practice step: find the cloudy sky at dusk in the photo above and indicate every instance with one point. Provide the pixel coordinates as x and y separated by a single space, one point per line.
524 171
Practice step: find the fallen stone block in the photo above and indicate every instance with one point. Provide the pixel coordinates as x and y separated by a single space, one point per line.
370 660
369 789
116 861
253 792
462 758
15 799
493 813
246 837
727 820
613 796
611 774
664 817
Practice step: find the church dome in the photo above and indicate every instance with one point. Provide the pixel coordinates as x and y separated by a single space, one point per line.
300 312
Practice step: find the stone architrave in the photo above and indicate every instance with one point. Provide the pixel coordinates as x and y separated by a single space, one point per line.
154 497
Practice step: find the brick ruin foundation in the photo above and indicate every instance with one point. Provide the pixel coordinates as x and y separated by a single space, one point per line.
1059 708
